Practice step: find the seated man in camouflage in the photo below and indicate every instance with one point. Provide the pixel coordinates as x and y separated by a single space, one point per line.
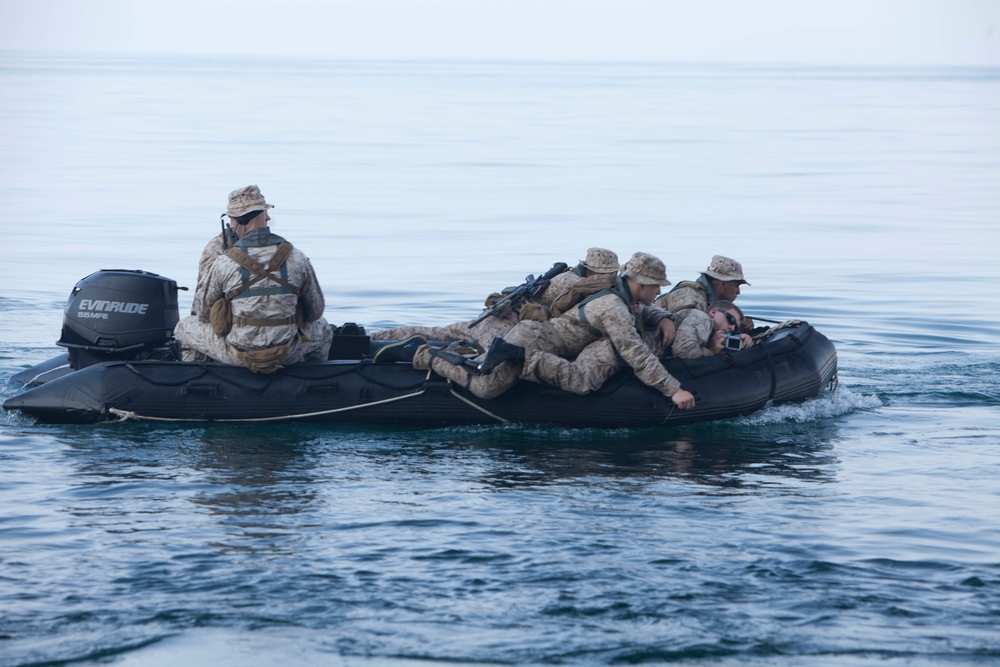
599 261
259 305
721 280
618 315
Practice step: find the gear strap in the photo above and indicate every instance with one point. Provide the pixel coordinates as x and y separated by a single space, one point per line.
259 271
585 322
582 314
263 322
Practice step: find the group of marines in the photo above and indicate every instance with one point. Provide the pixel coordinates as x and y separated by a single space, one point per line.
258 304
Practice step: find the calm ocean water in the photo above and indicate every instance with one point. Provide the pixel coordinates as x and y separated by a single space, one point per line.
859 528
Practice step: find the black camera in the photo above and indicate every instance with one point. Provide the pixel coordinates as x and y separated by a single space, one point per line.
732 342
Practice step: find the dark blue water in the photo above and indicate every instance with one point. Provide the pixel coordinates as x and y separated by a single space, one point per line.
859 528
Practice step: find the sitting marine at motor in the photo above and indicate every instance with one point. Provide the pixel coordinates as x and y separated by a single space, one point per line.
260 304
532 350
706 334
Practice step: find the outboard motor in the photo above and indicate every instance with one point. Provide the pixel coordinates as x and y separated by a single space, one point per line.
118 314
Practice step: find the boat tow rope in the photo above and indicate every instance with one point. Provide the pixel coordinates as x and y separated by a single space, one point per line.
478 407
126 415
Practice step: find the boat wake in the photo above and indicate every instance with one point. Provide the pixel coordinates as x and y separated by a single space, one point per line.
827 405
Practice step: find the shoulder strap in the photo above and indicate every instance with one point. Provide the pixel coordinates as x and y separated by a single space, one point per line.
280 256
596 295
259 272
619 290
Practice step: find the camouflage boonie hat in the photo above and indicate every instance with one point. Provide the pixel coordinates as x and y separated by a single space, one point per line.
601 260
244 200
725 269
646 270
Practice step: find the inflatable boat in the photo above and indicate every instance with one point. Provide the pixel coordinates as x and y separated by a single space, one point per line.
120 364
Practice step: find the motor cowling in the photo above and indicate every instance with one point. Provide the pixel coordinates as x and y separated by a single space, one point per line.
118 314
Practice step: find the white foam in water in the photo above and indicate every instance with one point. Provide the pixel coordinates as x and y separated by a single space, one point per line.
842 402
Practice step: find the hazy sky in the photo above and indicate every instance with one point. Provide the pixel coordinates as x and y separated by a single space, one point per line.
751 31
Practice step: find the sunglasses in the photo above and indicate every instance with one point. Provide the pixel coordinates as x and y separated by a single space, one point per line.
730 318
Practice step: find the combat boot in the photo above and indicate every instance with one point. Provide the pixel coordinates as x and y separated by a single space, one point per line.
499 352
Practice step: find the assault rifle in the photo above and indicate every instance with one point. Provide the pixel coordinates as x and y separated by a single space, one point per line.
529 289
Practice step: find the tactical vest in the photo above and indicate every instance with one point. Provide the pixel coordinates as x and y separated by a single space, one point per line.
703 289
253 272
620 290
693 284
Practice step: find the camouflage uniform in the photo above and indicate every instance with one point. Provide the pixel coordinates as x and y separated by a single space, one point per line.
212 250
595 364
688 294
208 255
313 341
693 334
699 293
601 330
598 260
265 316
484 332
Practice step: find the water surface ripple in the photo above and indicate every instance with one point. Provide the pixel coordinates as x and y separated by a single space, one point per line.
858 528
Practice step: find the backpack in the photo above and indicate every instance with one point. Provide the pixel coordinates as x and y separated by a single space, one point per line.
584 288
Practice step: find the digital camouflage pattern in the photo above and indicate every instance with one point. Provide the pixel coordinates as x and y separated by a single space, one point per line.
208 255
688 294
245 200
484 332
548 343
224 274
694 331
600 260
588 372
725 269
646 269
699 293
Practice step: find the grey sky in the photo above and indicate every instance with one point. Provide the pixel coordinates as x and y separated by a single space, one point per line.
951 32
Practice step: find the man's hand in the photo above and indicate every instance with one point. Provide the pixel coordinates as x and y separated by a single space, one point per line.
683 399
715 342
666 332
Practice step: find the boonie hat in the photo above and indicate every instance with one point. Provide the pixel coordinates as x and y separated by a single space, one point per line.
244 200
725 269
646 270
601 260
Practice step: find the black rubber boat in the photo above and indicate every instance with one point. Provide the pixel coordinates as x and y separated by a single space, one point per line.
118 367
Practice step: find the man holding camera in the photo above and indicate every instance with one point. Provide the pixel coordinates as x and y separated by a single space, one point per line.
702 334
